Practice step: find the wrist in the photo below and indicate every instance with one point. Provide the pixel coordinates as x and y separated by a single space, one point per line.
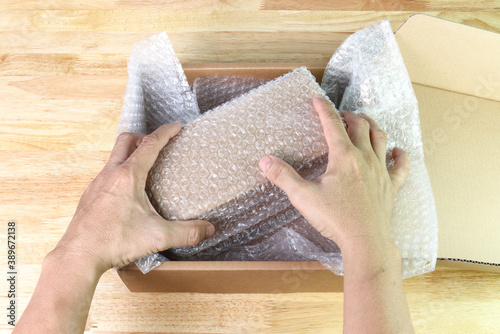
67 260
370 253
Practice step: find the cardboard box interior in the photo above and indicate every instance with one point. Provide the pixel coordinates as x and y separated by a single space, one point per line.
455 72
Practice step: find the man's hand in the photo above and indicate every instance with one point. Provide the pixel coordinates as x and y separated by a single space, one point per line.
351 204
115 223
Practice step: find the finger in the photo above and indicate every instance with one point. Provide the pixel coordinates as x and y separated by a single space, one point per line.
184 233
358 130
333 127
143 158
401 168
378 138
282 175
125 144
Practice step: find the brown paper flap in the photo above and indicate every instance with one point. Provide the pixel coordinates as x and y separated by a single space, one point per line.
455 72
461 138
451 56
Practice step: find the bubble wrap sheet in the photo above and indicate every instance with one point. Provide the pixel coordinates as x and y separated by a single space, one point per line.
367 74
212 91
254 219
210 170
157 90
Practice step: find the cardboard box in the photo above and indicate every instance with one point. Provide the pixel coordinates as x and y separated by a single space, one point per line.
455 71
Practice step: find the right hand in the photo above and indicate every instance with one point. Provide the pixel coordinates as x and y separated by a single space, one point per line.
351 203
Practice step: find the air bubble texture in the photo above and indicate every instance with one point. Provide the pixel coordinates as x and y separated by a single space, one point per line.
210 169
367 74
212 91
157 90
280 233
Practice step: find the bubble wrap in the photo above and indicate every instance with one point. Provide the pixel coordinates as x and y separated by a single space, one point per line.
257 214
157 90
366 74
210 170
213 91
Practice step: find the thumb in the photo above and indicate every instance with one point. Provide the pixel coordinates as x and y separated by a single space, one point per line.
185 233
401 168
282 174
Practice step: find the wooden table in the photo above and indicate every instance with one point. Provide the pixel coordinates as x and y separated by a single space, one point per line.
62 78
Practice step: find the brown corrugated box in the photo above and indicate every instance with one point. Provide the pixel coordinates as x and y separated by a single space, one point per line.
455 71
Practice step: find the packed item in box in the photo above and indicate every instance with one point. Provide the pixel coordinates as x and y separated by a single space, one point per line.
210 169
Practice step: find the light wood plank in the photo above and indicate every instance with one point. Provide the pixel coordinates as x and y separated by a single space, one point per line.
281 46
33 64
383 5
66 126
193 20
62 87
134 4
220 21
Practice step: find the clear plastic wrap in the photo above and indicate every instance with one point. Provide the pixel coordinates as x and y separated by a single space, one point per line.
157 90
367 74
210 168
255 220
212 91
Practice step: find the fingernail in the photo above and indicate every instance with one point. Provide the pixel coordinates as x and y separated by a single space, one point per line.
362 114
320 98
265 162
210 231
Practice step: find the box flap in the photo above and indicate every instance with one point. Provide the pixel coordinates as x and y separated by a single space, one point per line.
451 56
233 277
455 71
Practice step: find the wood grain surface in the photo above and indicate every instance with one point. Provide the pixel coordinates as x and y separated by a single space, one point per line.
62 79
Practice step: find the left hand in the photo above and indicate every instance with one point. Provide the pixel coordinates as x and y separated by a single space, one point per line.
115 223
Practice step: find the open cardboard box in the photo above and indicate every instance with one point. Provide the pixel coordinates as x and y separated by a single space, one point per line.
455 71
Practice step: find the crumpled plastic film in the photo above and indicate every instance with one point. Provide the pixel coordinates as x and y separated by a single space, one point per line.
148 263
367 74
212 91
157 90
255 221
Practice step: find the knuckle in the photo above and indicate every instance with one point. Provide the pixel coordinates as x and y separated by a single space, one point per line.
362 123
406 162
194 235
125 136
380 135
278 173
151 139
406 167
353 162
160 240
333 117
370 160
125 170
124 174
349 152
